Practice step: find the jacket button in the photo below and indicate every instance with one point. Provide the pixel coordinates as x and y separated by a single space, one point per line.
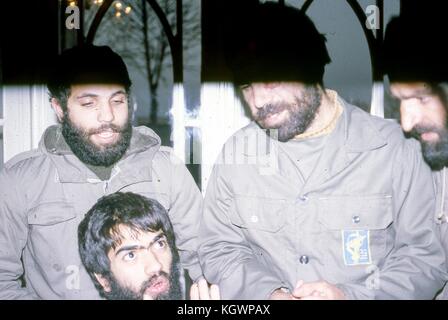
303 198
52 150
304 259
356 219
254 219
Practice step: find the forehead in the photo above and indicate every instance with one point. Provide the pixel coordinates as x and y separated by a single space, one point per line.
403 90
279 83
128 236
96 89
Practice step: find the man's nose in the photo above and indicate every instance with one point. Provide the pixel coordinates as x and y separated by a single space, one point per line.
105 113
410 115
262 94
152 263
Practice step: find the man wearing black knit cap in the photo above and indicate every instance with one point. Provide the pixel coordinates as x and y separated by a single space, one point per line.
93 152
416 63
311 200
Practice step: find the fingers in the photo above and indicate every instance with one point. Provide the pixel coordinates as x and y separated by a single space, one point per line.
299 283
314 289
200 290
194 292
318 289
314 298
204 293
214 292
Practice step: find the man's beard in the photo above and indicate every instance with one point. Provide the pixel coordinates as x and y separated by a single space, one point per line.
119 292
435 153
300 115
89 153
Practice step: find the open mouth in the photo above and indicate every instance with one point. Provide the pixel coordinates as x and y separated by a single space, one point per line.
157 287
106 136
429 136
273 118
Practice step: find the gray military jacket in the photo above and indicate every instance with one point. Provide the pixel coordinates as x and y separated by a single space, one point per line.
45 193
363 220
441 218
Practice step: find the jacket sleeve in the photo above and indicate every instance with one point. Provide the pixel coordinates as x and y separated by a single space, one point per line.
225 255
13 237
415 269
185 214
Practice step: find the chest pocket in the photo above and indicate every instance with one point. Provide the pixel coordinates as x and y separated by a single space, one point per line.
162 198
51 213
256 213
53 239
355 231
355 213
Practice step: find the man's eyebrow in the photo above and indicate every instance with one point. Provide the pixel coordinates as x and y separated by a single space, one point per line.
157 238
415 94
86 95
137 247
93 95
117 93
423 91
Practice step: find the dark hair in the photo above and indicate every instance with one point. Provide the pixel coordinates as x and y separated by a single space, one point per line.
273 42
98 232
86 64
414 49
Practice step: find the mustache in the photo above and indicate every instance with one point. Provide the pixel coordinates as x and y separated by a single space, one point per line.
154 279
106 127
418 130
270 109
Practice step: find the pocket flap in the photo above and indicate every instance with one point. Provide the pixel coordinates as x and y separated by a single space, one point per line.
260 213
49 213
356 212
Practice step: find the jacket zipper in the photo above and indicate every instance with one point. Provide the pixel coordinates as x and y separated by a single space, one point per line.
106 186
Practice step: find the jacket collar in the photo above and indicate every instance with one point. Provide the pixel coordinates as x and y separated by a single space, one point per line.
360 132
71 170
354 134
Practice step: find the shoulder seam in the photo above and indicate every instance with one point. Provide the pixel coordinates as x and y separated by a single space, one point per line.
22 157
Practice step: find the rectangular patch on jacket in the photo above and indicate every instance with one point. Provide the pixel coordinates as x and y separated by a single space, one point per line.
356 247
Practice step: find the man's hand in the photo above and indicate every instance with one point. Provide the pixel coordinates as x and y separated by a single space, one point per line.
319 290
200 290
281 294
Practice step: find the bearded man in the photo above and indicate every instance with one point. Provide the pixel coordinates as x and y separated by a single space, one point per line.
419 80
324 201
127 244
93 152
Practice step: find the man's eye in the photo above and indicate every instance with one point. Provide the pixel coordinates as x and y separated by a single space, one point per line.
117 101
87 104
130 256
161 244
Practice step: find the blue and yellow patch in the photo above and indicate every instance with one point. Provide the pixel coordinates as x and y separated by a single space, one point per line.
356 247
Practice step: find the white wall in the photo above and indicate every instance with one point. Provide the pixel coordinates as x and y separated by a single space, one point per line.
27 113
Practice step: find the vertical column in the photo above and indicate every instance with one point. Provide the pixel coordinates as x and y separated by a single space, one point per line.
27 113
221 115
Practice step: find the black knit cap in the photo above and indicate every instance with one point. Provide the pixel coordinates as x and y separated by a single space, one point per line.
273 42
88 64
415 49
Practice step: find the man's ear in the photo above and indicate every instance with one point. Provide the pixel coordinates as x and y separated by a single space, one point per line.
103 282
57 108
